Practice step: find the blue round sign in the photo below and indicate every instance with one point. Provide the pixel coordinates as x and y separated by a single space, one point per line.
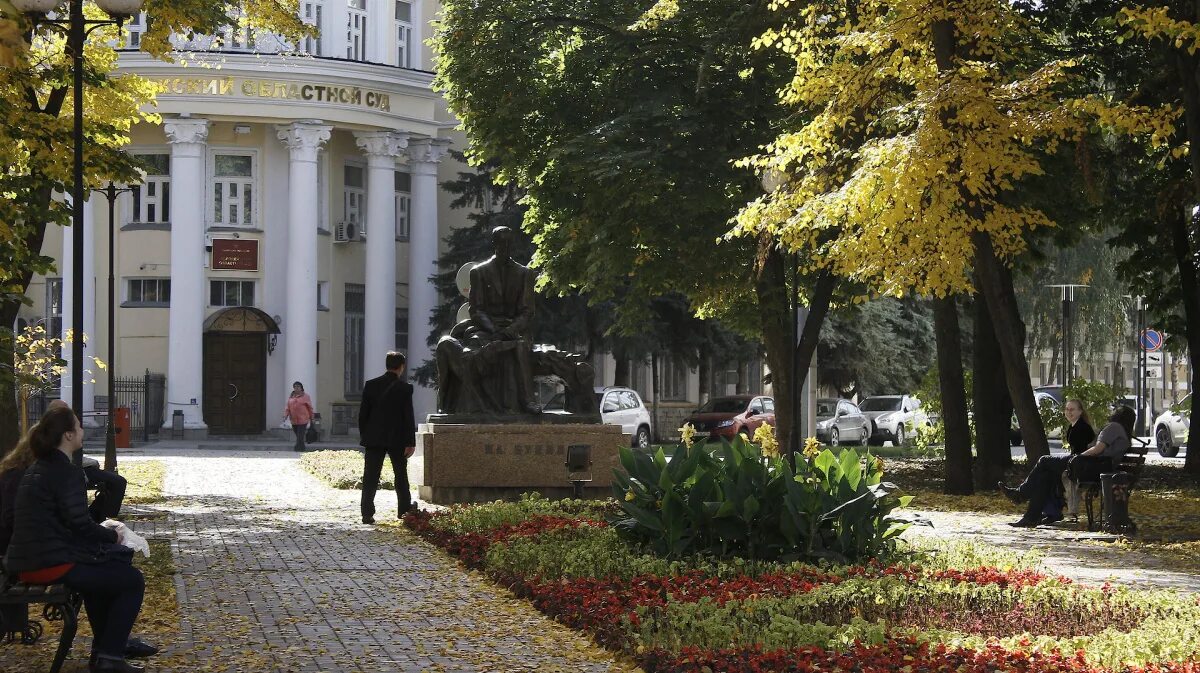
1151 340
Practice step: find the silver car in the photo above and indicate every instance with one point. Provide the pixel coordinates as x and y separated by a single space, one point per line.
894 418
1171 428
840 422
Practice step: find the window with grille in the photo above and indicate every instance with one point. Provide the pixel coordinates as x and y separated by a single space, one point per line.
311 13
152 198
354 196
148 292
233 190
404 34
356 31
135 28
403 205
356 303
231 293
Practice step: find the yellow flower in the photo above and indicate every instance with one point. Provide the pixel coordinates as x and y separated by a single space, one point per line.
629 496
812 448
687 434
764 436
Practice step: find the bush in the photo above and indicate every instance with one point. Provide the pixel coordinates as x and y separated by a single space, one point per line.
344 469
1097 398
731 500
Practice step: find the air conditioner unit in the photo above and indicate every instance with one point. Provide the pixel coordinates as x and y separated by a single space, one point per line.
345 232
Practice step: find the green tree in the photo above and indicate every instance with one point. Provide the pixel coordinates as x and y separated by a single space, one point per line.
622 125
878 347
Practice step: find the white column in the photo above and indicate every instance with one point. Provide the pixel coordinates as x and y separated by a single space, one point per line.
382 149
303 140
424 155
185 345
91 371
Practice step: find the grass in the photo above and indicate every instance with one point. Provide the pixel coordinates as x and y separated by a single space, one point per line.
145 479
158 622
343 469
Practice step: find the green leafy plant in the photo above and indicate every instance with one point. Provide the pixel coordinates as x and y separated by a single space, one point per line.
1097 398
733 500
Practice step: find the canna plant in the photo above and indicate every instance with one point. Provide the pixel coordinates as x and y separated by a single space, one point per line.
735 499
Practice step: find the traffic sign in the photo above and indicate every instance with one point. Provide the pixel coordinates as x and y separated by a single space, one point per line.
1150 340
1154 372
1154 359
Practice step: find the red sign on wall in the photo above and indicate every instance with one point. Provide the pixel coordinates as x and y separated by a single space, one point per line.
234 254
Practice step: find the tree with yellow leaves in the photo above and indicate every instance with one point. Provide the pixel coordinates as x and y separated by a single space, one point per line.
923 117
38 364
36 130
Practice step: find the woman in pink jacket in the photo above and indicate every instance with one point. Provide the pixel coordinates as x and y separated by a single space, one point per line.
299 412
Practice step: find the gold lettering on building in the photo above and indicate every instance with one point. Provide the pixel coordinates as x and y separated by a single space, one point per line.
272 89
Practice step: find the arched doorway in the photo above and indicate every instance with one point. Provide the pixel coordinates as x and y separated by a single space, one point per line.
235 370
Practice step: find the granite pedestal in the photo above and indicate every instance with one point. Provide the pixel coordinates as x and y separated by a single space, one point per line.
480 463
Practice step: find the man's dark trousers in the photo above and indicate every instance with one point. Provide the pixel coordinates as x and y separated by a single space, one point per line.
107 504
371 472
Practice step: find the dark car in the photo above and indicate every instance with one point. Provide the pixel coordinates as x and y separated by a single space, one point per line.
736 414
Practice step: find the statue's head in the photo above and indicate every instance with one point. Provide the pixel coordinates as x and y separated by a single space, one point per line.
502 238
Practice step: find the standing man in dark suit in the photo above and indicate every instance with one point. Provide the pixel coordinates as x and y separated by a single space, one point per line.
387 426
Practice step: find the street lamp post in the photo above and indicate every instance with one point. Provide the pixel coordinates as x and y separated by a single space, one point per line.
76 28
111 192
1068 330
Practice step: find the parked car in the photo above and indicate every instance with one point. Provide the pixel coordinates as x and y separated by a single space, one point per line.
1171 428
1040 396
733 415
1055 391
894 418
841 421
618 406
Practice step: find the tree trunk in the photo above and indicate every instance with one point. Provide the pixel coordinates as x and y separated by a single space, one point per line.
996 284
954 397
1184 234
743 377
705 373
10 417
621 376
771 290
992 407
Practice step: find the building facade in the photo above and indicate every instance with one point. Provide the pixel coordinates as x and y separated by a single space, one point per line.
288 223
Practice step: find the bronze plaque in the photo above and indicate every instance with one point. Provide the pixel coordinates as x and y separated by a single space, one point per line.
235 254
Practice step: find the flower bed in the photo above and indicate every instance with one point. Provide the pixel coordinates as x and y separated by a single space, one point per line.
961 609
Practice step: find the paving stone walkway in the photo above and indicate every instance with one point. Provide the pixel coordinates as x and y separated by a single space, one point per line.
1082 556
276 574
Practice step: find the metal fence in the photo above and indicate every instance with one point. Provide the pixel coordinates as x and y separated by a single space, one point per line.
143 395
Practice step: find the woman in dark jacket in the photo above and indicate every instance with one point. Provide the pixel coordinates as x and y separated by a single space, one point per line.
55 540
1042 481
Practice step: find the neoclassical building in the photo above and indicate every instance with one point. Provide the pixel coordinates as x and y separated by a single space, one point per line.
288 224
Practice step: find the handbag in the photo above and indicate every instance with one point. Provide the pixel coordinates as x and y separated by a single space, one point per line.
311 435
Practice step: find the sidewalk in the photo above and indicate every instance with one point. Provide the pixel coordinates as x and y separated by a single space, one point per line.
277 575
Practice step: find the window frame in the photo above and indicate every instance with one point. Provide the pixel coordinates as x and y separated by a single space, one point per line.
403 208
252 181
404 31
313 46
356 36
242 283
361 192
127 289
139 203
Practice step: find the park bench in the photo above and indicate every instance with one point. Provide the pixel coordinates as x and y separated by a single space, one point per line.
1130 463
60 604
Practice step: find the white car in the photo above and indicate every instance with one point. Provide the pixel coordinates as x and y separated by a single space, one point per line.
624 407
1171 428
894 418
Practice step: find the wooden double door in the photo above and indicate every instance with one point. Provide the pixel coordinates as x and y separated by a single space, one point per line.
235 383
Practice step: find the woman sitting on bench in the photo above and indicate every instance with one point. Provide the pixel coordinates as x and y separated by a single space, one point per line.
1041 484
54 540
